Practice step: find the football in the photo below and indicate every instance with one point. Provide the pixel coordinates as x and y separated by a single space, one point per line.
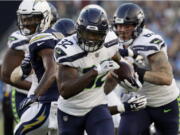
124 72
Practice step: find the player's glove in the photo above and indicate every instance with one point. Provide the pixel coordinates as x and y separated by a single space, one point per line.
135 103
27 102
105 66
131 84
26 67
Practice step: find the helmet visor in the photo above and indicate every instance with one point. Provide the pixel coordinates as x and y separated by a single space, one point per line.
92 35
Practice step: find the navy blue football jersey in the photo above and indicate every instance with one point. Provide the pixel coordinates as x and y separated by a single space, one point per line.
45 40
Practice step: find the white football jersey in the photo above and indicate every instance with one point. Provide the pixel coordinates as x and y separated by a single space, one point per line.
146 44
68 52
17 41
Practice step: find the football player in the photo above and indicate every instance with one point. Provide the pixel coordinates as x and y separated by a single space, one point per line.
84 61
66 27
69 29
17 47
35 17
154 71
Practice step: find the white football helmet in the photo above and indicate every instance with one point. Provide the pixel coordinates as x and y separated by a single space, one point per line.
34 16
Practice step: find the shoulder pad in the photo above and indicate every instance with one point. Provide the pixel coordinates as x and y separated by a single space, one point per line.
58 35
42 41
111 39
67 50
16 40
150 38
148 43
55 33
41 36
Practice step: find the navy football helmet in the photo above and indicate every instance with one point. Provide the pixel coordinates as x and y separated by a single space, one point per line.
92 27
66 26
129 14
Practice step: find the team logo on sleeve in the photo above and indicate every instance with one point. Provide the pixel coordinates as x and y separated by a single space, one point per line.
156 41
59 52
12 38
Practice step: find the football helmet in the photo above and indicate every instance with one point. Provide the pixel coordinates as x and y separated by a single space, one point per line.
66 26
54 12
33 16
92 27
128 14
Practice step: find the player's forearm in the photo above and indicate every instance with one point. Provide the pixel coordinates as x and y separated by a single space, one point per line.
159 78
113 110
25 85
46 81
110 84
161 70
72 87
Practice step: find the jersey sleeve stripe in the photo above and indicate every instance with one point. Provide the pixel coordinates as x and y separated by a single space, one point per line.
39 37
17 44
145 48
72 58
111 43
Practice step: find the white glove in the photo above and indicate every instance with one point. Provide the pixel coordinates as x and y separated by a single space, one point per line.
137 102
132 84
105 66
